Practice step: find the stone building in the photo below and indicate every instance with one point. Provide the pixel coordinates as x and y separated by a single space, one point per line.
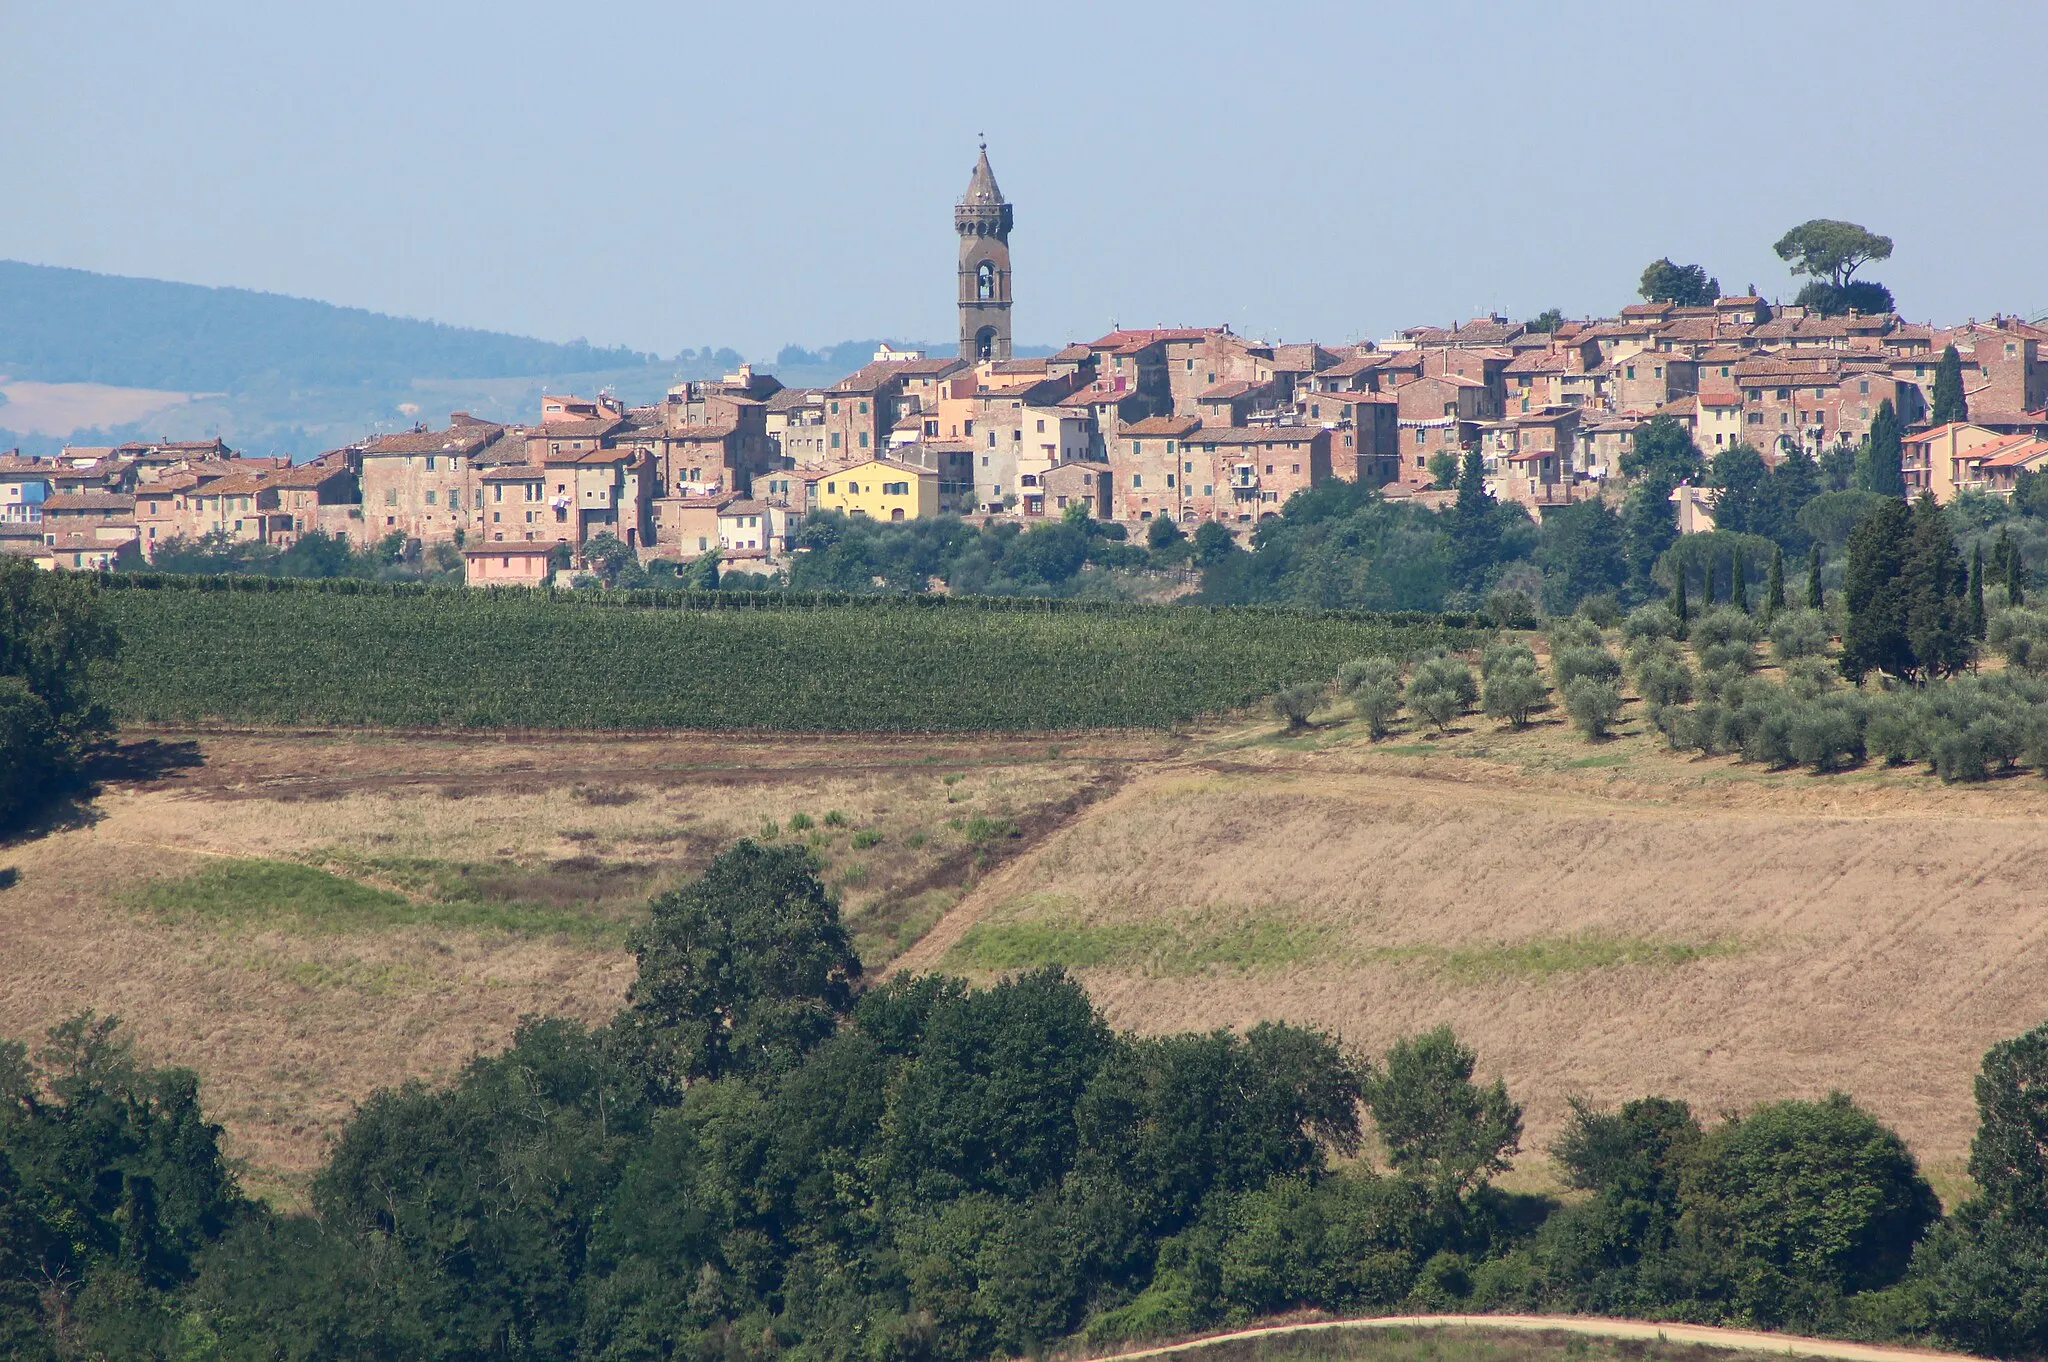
983 221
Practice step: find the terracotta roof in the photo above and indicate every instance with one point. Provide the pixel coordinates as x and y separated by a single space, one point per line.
696 434
2029 451
305 475
1538 362
460 440
1097 393
1171 426
1072 352
790 398
1720 397
1128 339
1255 435
88 501
578 430
1229 388
515 472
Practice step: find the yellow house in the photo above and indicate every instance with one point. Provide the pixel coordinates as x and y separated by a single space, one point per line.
880 489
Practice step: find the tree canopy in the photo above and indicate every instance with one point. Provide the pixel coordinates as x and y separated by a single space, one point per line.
1831 250
1686 285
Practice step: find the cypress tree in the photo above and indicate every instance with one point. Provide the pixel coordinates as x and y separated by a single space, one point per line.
1774 591
1874 634
1814 598
1937 630
1949 402
1679 606
2015 576
1710 584
1474 526
1738 583
1977 589
1880 467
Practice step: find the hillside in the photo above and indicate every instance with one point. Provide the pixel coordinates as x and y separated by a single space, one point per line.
73 326
98 358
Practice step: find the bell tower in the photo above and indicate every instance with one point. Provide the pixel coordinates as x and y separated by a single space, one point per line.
983 221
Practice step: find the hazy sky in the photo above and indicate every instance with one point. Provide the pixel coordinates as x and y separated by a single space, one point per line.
747 174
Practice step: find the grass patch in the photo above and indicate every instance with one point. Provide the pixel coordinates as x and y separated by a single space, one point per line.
1408 749
1188 945
1610 759
291 897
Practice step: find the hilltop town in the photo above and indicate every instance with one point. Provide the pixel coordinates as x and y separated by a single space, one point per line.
1195 425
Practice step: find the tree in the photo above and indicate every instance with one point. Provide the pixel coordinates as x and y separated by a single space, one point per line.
1774 588
1436 1123
1829 249
1295 704
1680 607
53 635
606 555
1976 615
1937 622
1873 590
741 971
1808 1198
1582 554
1880 462
1593 704
1662 444
1161 533
1213 544
2009 1156
1440 690
1443 470
1685 285
1513 689
1949 402
1814 598
1474 528
1864 296
1546 321
2015 575
1649 524
1745 504
1373 686
1738 584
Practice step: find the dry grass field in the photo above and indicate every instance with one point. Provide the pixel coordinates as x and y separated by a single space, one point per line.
305 917
1607 920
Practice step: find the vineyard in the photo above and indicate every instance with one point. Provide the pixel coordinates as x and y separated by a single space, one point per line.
279 652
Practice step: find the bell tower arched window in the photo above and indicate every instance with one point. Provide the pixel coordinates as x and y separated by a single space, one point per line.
985 281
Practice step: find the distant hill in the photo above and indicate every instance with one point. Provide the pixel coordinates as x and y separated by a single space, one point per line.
290 375
73 326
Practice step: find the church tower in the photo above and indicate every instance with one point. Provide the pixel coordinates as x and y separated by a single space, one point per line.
983 221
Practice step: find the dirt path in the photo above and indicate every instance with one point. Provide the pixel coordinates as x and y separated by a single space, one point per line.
1747 1340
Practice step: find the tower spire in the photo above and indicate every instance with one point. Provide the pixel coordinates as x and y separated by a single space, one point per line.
983 219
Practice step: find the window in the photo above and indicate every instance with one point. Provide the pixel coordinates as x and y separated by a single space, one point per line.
1187 467
391 496
835 408
430 498
1041 425
1137 479
985 282
1169 479
863 408
863 439
430 463
1297 468
1631 371
1863 387
1208 490
832 487
498 491
835 439
1269 470
1419 435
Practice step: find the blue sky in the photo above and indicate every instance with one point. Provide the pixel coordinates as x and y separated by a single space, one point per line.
669 175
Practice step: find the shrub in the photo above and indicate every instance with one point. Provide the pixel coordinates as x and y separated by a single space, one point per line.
1664 679
1734 656
1827 734
1440 690
834 818
1889 731
1602 609
1649 623
800 822
1811 677
1725 625
1574 631
1373 686
1296 703
1799 633
2019 635
1594 705
1512 690
1569 664
1510 609
1504 654
1765 730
